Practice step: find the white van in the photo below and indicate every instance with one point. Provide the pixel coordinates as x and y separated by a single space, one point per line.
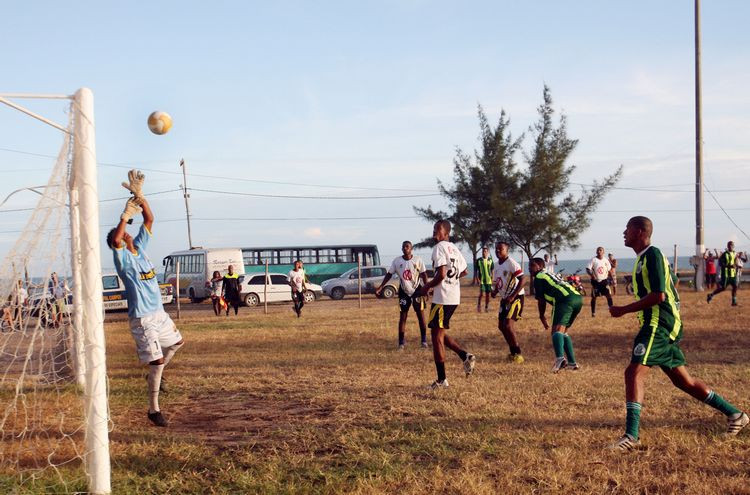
197 266
113 292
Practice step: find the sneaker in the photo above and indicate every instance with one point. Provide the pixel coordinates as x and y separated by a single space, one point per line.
401 347
593 315
560 363
735 425
708 298
438 384
424 345
157 418
486 309
515 358
626 443
469 363
573 366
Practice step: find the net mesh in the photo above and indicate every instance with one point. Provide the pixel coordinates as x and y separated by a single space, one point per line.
41 413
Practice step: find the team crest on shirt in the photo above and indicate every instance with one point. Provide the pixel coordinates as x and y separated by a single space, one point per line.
407 274
639 350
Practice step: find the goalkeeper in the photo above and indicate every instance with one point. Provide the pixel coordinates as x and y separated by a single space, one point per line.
156 336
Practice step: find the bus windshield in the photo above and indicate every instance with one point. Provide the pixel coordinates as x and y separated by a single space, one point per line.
321 262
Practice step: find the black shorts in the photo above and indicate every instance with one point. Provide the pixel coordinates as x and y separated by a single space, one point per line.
512 311
406 301
600 288
440 315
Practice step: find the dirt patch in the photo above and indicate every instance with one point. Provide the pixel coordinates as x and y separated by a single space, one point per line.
244 419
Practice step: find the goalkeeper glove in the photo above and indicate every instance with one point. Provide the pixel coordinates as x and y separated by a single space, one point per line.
132 208
135 184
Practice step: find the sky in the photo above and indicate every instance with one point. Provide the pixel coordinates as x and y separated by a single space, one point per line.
369 101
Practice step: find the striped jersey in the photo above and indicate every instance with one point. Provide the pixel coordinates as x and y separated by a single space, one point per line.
728 263
483 270
552 289
651 274
506 277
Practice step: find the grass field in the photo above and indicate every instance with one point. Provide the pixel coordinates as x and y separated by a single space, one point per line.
326 404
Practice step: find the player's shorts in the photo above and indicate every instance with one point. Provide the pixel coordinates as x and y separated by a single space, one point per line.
565 311
152 333
485 288
512 311
600 288
406 301
653 347
440 315
726 281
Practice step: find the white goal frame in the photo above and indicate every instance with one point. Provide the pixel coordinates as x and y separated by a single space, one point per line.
88 315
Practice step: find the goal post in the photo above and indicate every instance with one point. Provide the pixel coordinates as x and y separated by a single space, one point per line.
54 414
84 183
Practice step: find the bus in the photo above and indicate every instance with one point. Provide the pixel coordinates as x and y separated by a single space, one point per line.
196 267
321 262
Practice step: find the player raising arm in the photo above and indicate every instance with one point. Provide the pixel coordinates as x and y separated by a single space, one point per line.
657 343
155 334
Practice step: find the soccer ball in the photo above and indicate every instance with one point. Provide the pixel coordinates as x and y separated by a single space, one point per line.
159 122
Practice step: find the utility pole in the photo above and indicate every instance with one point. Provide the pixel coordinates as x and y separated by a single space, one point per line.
699 269
186 195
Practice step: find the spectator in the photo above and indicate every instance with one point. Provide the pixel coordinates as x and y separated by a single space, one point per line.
549 264
612 273
740 262
710 260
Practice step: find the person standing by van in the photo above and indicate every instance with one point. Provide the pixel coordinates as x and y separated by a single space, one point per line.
215 286
230 289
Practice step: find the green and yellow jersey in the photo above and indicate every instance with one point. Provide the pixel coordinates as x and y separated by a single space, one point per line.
651 274
552 289
483 270
728 263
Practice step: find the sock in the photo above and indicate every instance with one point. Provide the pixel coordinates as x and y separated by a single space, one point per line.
514 349
558 341
734 299
633 418
718 402
401 338
569 349
154 381
170 351
440 371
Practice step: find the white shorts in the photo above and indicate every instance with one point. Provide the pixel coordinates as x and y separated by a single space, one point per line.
152 333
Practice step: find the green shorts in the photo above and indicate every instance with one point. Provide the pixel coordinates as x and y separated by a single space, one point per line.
726 281
485 288
653 347
564 312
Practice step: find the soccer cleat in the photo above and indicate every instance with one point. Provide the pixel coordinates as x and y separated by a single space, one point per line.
560 363
626 443
573 366
469 363
735 425
401 347
486 309
436 385
708 298
734 303
424 345
157 418
515 358
593 315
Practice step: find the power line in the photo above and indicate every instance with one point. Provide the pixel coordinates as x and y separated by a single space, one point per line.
725 211
312 197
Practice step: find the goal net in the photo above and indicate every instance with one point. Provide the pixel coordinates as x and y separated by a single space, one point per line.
53 409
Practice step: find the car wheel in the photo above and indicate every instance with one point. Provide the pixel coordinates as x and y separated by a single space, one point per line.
309 297
191 294
388 292
337 293
251 299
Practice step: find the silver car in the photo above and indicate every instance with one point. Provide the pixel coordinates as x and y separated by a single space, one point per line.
252 288
347 283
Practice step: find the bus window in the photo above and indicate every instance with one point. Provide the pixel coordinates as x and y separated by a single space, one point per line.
326 256
308 255
286 257
266 255
366 258
344 256
250 257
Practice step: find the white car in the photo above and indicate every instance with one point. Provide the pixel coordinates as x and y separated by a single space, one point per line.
252 288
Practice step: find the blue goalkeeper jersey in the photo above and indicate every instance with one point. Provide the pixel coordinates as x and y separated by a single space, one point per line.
139 276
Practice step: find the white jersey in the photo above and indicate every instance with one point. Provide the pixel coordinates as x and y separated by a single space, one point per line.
600 268
505 277
408 272
297 278
449 291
